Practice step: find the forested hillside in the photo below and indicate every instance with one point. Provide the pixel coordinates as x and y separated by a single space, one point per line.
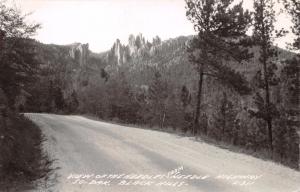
153 83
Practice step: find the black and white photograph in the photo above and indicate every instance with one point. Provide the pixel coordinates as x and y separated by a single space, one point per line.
149 95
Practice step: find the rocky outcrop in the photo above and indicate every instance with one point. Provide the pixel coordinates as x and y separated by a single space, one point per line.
137 44
118 54
79 52
137 47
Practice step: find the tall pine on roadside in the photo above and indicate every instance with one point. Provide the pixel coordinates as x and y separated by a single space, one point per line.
221 28
263 37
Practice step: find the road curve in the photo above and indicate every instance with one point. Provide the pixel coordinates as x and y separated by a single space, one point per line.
108 157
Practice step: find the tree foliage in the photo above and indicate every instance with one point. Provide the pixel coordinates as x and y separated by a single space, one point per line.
17 62
263 35
293 8
221 30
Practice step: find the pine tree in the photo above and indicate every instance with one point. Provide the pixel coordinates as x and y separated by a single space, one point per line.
104 75
221 32
286 140
121 102
158 94
72 102
185 96
289 119
291 70
186 99
263 34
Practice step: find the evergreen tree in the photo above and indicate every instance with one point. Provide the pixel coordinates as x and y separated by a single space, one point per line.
291 71
104 74
263 34
72 103
186 107
286 140
290 76
122 104
185 96
287 143
221 31
158 94
59 101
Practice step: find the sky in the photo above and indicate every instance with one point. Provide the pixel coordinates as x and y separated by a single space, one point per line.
101 22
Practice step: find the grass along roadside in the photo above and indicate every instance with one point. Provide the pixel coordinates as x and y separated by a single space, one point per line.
22 160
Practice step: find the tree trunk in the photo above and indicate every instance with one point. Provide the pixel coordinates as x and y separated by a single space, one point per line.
223 128
163 119
198 106
267 98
